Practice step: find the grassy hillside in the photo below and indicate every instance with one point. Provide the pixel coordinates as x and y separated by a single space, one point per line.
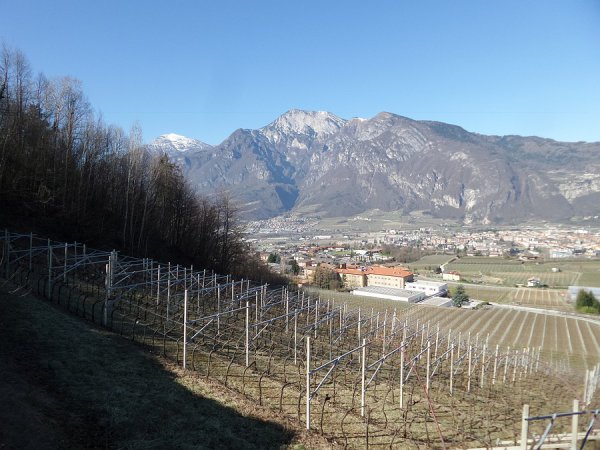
68 384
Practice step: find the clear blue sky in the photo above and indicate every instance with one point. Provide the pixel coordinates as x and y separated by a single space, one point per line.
206 68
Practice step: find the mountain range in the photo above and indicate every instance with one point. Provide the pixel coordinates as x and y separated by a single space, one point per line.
314 162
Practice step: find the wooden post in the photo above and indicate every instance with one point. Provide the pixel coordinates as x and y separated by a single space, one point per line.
363 376
524 427
247 333
185 305
574 425
308 382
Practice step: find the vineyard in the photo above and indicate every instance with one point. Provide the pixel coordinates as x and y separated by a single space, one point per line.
406 377
511 272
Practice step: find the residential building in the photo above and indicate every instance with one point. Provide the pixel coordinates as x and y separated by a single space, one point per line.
395 277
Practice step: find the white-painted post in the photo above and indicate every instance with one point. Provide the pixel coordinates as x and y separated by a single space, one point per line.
437 336
402 376
451 368
287 311
158 286
317 304
168 291
495 365
247 333
428 362
383 340
574 425
524 427
481 382
469 370
296 337
219 309
107 295
308 382
514 376
198 294
363 377
185 309
505 366
358 332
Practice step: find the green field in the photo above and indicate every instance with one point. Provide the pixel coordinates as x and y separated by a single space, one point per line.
430 261
511 272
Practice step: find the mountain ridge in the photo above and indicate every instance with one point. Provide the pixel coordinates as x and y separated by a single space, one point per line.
317 161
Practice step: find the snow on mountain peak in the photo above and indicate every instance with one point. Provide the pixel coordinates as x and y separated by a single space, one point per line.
172 142
306 122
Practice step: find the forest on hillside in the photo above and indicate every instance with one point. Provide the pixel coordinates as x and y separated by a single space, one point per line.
66 173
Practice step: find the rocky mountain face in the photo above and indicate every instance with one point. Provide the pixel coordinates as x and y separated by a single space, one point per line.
317 162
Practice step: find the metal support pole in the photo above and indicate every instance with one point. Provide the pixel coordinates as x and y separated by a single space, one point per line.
402 376
451 368
185 315
363 376
495 365
481 382
296 338
308 382
428 362
247 333
469 371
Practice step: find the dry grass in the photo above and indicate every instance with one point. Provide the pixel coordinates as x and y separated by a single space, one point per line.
68 384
